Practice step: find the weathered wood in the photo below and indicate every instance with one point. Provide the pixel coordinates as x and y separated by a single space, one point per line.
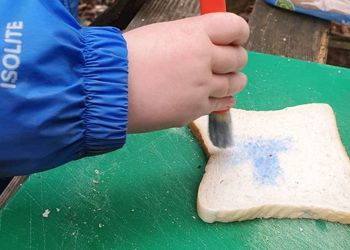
120 14
338 44
273 30
241 7
164 10
11 188
168 10
280 32
339 57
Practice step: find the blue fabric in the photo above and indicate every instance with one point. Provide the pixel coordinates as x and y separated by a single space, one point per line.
63 88
327 15
71 6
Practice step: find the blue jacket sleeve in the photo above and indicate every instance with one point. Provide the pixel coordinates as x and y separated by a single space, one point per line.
63 88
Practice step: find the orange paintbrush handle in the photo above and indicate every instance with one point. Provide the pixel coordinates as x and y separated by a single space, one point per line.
209 6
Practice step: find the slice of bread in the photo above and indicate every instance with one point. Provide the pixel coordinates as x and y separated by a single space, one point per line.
288 163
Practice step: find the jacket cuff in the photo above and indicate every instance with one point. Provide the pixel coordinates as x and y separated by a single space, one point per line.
105 81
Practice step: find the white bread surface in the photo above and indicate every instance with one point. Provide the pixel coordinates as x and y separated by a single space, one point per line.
288 163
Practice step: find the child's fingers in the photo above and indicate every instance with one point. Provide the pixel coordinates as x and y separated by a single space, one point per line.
226 28
227 85
220 104
228 59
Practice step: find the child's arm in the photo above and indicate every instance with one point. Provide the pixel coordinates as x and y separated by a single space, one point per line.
64 88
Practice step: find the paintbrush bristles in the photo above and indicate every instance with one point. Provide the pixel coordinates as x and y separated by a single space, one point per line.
220 129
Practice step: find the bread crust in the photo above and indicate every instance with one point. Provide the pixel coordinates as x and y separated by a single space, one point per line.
197 134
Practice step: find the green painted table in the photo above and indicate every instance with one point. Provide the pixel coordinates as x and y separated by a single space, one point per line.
144 196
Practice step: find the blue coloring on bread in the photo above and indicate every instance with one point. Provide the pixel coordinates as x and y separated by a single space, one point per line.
264 157
263 154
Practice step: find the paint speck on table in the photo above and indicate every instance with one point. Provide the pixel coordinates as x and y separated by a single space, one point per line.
46 213
100 225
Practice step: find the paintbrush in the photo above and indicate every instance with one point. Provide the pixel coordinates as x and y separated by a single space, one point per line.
220 123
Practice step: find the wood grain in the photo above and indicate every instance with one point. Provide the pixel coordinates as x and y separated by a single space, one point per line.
166 10
273 31
120 14
11 188
280 32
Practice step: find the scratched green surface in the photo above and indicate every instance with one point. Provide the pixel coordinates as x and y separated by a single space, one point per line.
146 193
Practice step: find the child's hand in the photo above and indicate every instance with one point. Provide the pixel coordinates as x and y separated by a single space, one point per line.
181 70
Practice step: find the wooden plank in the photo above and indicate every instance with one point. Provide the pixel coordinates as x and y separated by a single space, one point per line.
345 45
164 10
273 31
11 188
168 10
120 14
280 32
339 57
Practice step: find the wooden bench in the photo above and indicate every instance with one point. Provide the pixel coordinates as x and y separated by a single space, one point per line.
281 32
273 31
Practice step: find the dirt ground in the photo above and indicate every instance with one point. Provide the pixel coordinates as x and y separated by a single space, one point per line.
90 9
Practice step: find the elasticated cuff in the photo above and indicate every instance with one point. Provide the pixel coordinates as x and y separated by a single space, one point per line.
105 79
